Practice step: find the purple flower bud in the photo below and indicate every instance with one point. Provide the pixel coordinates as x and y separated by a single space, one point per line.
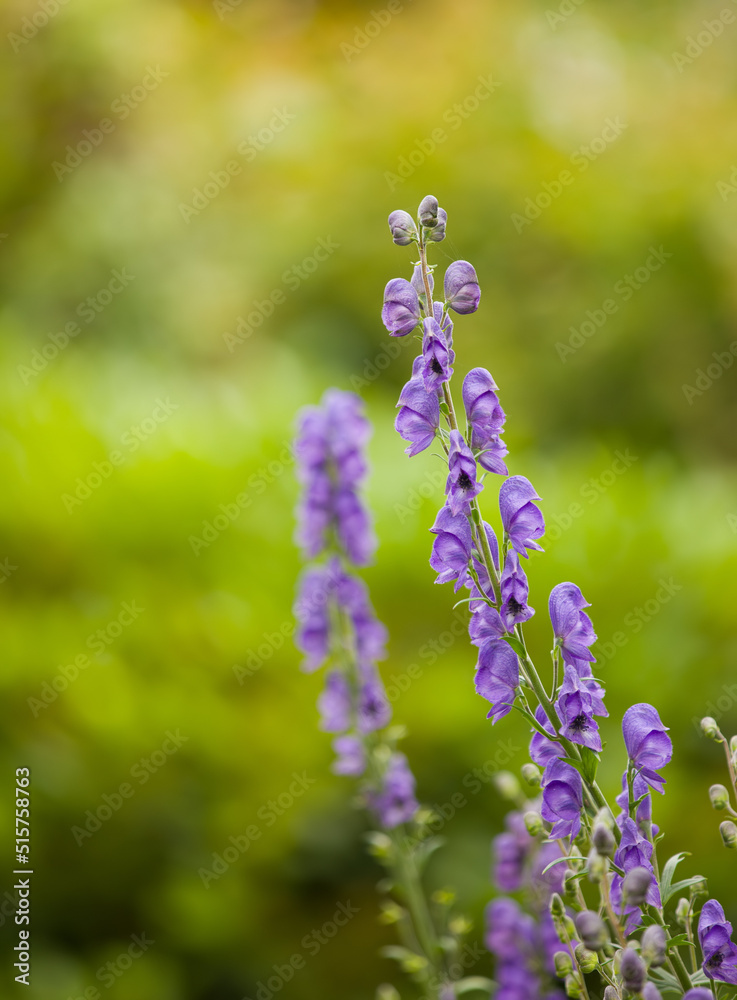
351 757
437 233
636 884
562 799
572 627
522 520
603 840
401 311
461 486
419 416
402 227
451 550
497 677
395 803
428 211
334 703
717 947
698 993
648 745
437 358
461 286
591 929
632 970
654 940
651 992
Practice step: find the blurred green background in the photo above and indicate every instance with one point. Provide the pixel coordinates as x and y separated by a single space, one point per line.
202 151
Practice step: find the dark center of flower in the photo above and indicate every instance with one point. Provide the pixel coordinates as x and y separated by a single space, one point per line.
514 606
464 481
580 723
715 960
436 366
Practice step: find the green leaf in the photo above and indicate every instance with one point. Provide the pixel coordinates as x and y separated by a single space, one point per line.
677 941
590 762
471 983
516 645
425 850
558 861
668 872
396 952
678 886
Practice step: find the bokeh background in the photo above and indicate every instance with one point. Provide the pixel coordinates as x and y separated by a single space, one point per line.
177 393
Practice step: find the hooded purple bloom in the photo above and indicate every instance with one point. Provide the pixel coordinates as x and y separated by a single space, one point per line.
437 358
419 416
647 742
645 809
576 711
509 851
353 528
461 286
562 799
486 419
486 624
334 703
515 591
461 486
403 228
350 756
352 597
374 711
573 630
396 802
522 520
451 549
401 311
311 611
543 751
715 938
497 677
634 851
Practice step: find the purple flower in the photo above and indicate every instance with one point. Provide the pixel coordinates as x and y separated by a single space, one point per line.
640 788
353 528
509 851
543 751
401 311
311 611
522 520
698 993
427 211
402 227
334 703
395 803
497 677
647 742
634 851
350 756
461 286
550 882
374 711
437 358
461 486
512 937
437 233
369 634
576 712
451 549
442 318
715 938
419 417
486 624
562 799
573 630
515 591
486 419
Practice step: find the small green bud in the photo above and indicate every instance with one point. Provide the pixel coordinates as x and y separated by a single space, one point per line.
710 728
563 964
460 925
387 992
683 910
533 823
719 796
570 889
379 845
603 840
531 774
507 785
573 988
557 907
391 913
414 963
733 744
729 833
587 960
591 930
700 888
596 866
653 944
568 928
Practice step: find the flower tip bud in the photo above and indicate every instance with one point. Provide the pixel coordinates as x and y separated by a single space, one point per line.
719 796
710 728
729 833
683 909
587 960
635 885
557 907
591 930
570 889
428 211
632 970
603 840
531 774
533 823
402 227
700 888
563 964
507 785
